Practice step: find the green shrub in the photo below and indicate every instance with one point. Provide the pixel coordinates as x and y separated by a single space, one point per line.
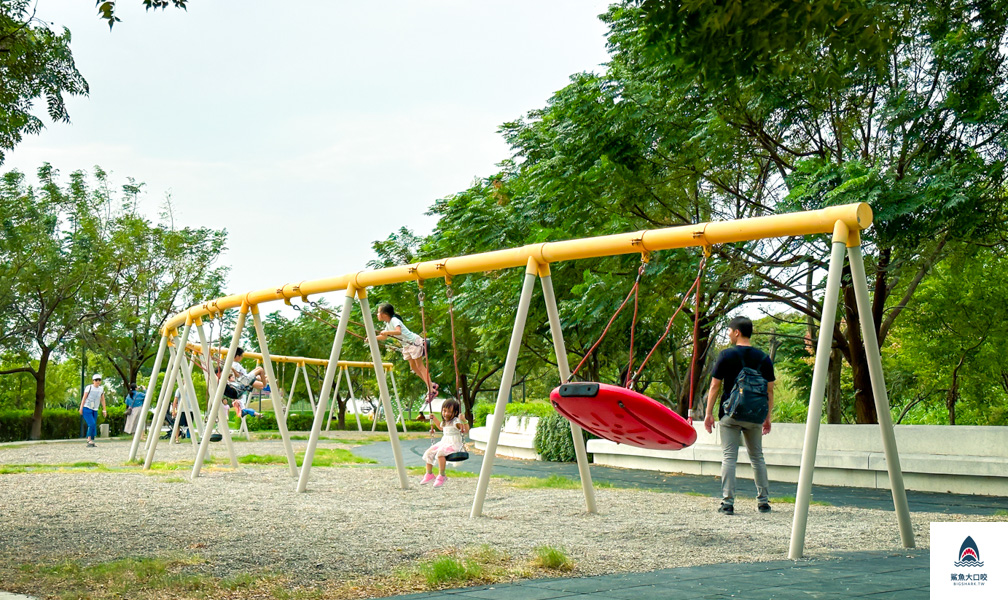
514 409
302 421
553 440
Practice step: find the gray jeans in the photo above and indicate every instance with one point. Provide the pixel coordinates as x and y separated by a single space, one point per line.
732 432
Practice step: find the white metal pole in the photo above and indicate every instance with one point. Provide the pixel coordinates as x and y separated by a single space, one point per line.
356 405
188 401
819 375
531 270
395 391
213 404
168 385
225 431
274 388
209 362
307 383
326 386
290 395
334 406
165 391
560 349
152 387
383 391
881 397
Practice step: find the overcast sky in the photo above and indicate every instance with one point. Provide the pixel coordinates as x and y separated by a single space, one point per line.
308 129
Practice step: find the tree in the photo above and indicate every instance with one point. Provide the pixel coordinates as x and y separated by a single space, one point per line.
35 63
59 267
163 270
899 104
953 341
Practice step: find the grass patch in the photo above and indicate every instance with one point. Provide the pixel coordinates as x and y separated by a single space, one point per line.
179 465
553 482
185 576
792 500
133 577
1001 513
324 457
448 570
551 557
697 494
448 472
7 469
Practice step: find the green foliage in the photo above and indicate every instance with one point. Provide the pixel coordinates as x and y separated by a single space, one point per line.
107 8
35 65
947 358
57 424
551 557
514 409
553 439
450 570
302 421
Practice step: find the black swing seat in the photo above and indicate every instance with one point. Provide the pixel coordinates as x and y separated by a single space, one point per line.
457 456
623 416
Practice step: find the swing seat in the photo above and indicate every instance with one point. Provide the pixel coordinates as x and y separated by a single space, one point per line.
457 456
622 416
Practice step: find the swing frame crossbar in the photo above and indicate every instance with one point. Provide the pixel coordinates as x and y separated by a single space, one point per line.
844 223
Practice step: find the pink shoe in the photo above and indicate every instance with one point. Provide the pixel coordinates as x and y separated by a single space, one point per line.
441 479
429 477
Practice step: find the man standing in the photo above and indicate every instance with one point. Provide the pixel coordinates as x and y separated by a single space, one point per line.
729 364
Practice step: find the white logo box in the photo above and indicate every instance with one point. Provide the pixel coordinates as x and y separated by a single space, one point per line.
969 560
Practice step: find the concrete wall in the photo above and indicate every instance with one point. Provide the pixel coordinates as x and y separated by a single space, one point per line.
934 458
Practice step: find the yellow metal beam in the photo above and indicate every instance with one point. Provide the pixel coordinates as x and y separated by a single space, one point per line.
298 360
854 216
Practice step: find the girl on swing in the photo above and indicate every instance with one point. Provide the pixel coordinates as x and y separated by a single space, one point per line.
413 348
453 428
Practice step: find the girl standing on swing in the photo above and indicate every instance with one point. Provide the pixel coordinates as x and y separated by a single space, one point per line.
414 347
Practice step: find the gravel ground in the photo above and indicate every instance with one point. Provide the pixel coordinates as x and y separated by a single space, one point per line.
356 520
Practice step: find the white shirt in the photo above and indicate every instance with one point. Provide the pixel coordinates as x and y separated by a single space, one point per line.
451 430
92 396
405 336
239 370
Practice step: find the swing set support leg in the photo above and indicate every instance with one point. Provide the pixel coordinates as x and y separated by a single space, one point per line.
564 368
141 423
531 270
383 390
330 373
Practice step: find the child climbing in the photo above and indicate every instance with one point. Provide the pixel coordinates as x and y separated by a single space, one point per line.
414 347
453 428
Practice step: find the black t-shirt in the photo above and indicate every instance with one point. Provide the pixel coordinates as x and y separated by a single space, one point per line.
729 365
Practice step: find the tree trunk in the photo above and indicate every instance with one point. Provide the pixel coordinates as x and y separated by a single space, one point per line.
341 405
703 347
467 399
953 393
40 377
864 402
834 410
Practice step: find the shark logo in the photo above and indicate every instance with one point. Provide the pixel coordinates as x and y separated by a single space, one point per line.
969 554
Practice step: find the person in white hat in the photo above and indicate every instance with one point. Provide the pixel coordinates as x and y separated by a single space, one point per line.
93 394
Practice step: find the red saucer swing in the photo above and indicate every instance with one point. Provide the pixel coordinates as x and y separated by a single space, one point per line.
618 413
